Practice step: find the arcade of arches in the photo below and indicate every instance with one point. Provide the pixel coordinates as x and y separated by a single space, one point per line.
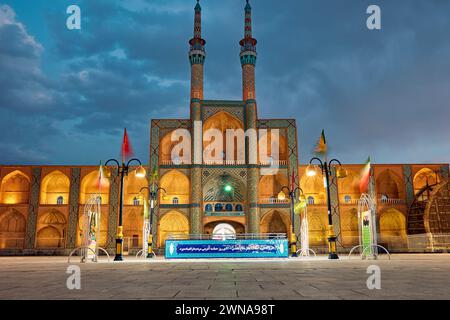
427 215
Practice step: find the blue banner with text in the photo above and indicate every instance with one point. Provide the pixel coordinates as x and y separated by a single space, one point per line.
262 248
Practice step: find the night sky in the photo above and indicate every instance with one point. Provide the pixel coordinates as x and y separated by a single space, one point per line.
66 95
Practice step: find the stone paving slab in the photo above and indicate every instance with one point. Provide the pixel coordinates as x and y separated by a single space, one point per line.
403 277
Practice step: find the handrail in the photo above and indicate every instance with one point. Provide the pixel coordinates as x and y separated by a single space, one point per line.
364 250
88 248
141 254
305 252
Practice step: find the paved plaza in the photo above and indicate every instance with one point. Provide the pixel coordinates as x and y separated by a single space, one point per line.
423 276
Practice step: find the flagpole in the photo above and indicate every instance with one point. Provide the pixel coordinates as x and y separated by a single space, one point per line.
321 149
122 171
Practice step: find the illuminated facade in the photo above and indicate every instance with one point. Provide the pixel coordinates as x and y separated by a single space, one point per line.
41 206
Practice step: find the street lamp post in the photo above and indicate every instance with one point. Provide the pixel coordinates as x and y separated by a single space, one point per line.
281 196
341 173
153 195
122 170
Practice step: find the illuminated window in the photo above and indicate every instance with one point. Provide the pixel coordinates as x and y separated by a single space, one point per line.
218 207
347 199
310 200
208 208
228 207
175 200
60 200
238 207
136 201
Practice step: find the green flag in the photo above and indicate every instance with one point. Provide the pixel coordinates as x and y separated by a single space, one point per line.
299 207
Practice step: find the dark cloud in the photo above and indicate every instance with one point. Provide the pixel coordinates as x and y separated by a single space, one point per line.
383 93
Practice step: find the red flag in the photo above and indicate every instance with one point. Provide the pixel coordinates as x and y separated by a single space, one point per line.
101 177
126 147
365 176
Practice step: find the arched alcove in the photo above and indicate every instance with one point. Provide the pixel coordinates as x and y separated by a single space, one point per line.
55 185
12 229
393 229
90 185
270 185
349 186
209 227
177 185
423 178
388 183
15 188
172 223
223 121
275 222
132 187
51 230
313 187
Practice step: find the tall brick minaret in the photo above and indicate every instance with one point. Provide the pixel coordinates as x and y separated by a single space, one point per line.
248 57
197 58
197 55
248 61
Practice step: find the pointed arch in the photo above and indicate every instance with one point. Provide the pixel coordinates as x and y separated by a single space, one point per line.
90 186
12 229
313 186
166 146
270 185
51 230
275 221
49 238
132 187
223 121
208 228
349 186
172 223
15 188
389 184
177 185
423 178
54 185
393 229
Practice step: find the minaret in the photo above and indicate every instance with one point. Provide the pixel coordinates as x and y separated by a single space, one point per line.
248 57
197 55
197 58
248 61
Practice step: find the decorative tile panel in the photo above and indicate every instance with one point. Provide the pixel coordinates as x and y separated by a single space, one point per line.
74 199
30 233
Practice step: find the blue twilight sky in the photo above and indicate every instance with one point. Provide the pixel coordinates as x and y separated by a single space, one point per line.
65 95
